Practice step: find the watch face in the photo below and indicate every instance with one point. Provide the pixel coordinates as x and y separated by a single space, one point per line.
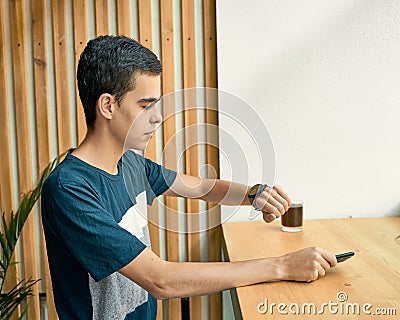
253 190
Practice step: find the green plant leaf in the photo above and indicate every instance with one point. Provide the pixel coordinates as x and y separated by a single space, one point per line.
10 301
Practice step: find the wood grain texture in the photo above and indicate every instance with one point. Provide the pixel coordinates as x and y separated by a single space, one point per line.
191 138
146 39
212 149
6 182
24 160
42 130
124 18
210 44
61 78
145 21
80 40
41 83
101 8
371 276
169 130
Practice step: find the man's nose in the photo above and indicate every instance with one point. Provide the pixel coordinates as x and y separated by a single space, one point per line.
156 117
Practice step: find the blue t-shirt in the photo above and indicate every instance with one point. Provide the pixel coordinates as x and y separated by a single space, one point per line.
95 223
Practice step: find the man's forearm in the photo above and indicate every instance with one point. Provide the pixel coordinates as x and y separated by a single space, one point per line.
225 192
210 190
165 279
192 279
272 201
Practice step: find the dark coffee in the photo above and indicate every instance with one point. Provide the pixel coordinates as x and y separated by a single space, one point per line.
292 220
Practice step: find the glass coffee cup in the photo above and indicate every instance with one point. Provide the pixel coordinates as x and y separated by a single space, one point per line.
292 220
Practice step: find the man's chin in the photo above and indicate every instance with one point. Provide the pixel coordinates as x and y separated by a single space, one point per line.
137 147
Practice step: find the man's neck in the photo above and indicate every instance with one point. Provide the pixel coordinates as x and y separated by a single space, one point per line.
99 151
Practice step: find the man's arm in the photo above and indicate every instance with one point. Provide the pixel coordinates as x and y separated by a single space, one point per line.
166 280
273 202
210 190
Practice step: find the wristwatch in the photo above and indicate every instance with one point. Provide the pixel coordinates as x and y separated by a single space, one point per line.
255 191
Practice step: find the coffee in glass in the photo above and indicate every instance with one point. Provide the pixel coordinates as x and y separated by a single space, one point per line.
292 220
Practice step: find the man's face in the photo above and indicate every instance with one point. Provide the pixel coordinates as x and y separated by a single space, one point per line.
138 115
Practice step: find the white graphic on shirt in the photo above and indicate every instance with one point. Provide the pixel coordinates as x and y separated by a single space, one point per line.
135 219
116 296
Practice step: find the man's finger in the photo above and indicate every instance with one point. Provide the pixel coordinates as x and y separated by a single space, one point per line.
283 204
269 217
325 264
283 194
266 207
329 257
277 205
321 271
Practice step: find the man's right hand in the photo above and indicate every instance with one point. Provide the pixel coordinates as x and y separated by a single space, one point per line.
305 265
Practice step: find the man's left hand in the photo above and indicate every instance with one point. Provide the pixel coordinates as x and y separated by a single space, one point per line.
273 202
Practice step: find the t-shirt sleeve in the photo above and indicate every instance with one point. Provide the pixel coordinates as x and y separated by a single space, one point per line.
159 179
77 218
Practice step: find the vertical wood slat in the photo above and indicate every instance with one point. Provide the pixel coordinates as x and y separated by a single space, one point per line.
6 194
212 157
124 18
80 40
145 38
191 138
6 182
61 72
41 83
42 127
101 17
24 148
210 44
169 130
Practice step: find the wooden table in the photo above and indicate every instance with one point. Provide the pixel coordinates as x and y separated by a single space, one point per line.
371 277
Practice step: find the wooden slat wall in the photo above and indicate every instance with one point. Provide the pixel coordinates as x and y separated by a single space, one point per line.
6 182
42 122
80 40
61 67
168 86
191 137
44 38
21 110
211 118
101 17
63 103
124 17
146 39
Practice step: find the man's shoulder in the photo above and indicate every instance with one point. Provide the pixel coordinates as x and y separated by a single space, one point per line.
66 173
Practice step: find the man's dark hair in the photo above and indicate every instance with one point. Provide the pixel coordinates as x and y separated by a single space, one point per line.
110 64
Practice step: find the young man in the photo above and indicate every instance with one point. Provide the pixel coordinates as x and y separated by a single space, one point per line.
98 244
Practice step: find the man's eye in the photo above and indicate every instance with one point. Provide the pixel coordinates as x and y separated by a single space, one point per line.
147 106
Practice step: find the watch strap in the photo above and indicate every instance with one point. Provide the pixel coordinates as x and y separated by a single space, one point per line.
253 197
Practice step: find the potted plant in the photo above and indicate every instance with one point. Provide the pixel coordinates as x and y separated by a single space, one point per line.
9 234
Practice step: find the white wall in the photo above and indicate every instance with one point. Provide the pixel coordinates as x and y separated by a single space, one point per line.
325 78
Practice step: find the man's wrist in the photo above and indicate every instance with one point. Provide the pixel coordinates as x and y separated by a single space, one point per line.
274 265
254 191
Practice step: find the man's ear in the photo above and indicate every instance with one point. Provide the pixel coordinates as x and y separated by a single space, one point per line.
105 105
